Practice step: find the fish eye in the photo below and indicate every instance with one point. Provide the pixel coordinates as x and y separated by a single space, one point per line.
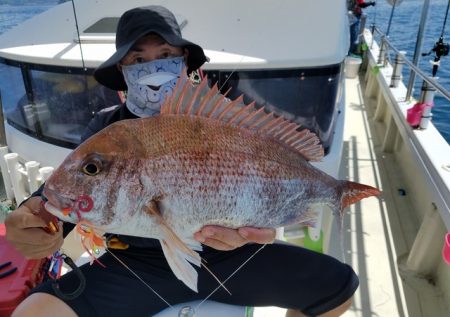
92 168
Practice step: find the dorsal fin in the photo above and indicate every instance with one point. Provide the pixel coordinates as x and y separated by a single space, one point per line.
202 101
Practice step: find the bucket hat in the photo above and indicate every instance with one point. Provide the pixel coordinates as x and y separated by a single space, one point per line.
133 25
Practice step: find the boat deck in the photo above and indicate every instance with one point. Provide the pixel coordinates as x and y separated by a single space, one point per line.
375 237
368 233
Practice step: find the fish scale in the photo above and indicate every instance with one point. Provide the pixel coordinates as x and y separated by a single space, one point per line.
204 160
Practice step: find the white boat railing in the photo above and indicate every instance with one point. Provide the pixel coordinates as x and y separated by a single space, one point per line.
427 147
382 58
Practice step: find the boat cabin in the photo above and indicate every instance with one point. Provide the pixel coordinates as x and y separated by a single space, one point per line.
261 50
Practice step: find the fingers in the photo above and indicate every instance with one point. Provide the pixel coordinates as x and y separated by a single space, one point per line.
258 235
41 251
24 230
35 243
226 239
24 217
220 238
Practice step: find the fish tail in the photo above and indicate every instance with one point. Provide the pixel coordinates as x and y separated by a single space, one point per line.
354 192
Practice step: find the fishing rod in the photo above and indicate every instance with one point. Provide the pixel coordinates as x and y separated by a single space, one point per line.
394 4
440 48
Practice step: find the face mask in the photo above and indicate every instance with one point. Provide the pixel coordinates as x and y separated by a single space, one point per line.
150 83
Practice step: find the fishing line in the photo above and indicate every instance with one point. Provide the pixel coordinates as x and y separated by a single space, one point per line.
139 278
232 72
257 251
281 3
124 264
231 275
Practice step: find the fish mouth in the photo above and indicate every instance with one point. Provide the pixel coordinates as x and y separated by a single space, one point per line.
60 205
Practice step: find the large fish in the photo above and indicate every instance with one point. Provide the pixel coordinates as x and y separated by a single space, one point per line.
204 160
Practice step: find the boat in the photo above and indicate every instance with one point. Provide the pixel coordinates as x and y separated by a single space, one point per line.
284 56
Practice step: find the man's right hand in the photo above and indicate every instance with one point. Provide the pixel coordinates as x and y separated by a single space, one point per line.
25 231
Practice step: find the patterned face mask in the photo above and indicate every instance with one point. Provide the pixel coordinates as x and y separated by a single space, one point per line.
150 83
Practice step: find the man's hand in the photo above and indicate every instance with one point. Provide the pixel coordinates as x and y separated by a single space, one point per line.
24 230
226 239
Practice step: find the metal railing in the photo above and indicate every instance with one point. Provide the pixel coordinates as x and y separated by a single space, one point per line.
385 43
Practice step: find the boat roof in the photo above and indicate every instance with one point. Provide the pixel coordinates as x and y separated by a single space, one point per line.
251 34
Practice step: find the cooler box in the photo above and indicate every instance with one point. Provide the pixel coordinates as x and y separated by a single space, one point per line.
15 286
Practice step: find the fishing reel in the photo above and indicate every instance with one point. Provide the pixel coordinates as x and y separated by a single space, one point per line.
440 49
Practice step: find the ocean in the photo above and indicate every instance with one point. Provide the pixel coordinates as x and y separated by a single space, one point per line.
403 33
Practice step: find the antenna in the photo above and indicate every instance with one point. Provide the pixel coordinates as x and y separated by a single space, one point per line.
78 34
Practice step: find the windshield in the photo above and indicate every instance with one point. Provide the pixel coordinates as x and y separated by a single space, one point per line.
308 96
54 104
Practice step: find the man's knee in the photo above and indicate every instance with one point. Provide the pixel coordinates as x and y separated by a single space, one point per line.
338 311
41 304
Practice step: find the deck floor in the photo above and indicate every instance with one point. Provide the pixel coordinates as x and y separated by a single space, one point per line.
367 234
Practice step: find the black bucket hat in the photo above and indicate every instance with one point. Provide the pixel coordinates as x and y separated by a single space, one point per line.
135 24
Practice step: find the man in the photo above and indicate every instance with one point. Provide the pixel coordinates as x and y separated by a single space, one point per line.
149 40
355 11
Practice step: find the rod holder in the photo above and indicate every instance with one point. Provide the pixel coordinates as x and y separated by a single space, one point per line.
45 172
398 67
427 97
32 169
12 161
5 173
382 54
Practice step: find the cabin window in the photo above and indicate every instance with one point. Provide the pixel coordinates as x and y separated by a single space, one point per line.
308 96
51 103
55 104
12 90
105 25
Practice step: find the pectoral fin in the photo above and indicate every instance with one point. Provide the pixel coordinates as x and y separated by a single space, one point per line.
179 263
177 253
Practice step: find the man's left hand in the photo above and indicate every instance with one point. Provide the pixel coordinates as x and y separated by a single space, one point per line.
226 239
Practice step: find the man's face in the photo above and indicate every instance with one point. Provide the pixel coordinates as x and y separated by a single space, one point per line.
149 48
